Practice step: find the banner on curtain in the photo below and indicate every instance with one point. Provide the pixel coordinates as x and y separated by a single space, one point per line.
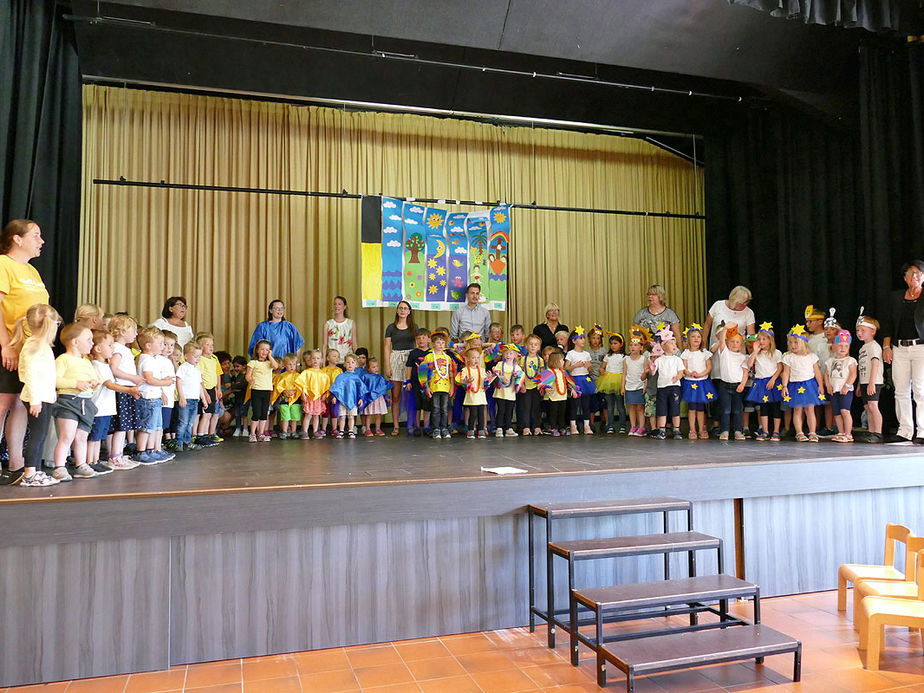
427 256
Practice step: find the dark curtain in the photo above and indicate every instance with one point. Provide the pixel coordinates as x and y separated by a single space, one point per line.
40 136
892 158
874 15
784 217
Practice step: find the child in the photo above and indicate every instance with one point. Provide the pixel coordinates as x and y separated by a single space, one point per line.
75 380
260 377
211 376
767 391
124 330
104 399
421 401
156 376
314 385
732 362
362 358
166 362
561 339
610 383
234 398
815 322
518 338
437 373
508 380
529 410
669 369
801 383
840 375
332 369
697 388
36 371
557 384
869 368
474 378
375 388
597 351
347 389
189 392
577 364
651 387
285 385
635 371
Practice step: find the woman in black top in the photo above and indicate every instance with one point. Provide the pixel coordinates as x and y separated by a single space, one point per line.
546 330
903 347
399 340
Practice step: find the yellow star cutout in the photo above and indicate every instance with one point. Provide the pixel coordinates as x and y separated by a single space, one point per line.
432 289
442 282
708 395
821 398
766 326
801 390
787 398
431 262
798 329
779 387
766 398
432 276
694 386
441 271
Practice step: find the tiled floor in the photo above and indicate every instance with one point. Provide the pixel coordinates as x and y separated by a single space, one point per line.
510 661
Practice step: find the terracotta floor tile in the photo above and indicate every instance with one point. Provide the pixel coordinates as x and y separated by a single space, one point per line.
560 674
467 643
289 684
453 684
504 681
428 649
361 658
438 668
57 687
383 675
220 688
157 681
273 667
394 688
105 684
213 674
478 662
330 681
321 660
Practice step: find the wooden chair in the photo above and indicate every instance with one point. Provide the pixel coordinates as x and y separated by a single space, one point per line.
879 612
898 589
854 572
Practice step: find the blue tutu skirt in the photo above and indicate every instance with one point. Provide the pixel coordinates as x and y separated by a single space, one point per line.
697 391
584 384
759 391
808 397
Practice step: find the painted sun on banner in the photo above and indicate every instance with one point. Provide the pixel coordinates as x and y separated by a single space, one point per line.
427 256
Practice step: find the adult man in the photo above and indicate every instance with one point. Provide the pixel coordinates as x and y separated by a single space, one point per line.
470 317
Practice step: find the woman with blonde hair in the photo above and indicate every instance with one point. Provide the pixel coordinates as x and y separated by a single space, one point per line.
657 312
546 330
733 310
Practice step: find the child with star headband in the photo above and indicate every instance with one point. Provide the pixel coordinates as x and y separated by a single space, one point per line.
802 383
578 364
840 375
767 390
529 402
609 384
475 378
697 389
635 371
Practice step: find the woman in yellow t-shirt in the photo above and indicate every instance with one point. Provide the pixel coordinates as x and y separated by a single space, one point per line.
21 287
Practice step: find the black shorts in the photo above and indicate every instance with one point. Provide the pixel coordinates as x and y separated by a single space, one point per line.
861 390
9 381
79 409
421 400
212 408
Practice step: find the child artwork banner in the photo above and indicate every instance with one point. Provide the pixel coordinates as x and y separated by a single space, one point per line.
427 256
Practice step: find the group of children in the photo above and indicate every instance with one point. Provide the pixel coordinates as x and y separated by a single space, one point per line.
124 385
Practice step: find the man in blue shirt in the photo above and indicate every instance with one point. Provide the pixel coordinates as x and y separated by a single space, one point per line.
470 317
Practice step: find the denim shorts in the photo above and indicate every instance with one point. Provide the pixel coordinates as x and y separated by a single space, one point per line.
100 428
150 418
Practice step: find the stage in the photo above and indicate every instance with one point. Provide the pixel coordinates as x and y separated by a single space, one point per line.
249 549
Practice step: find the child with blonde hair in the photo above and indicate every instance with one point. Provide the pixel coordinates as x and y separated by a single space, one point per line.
260 376
189 392
157 373
105 400
286 386
802 383
767 390
697 389
210 367
124 330
37 373
75 380
314 384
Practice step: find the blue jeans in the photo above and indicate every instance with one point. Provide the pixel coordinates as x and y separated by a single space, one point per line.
185 417
615 403
731 404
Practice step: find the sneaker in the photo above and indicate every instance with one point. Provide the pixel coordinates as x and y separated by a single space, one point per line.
537 431
660 434
146 458
38 480
61 474
573 430
610 430
284 436
588 431
437 435
237 433
556 434
101 469
9 477
739 435
84 471
746 433
774 437
470 434
499 433
265 438
723 435
510 433
622 430
172 446
447 433
252 439
483 433
120 463
761 436
351 434
130 449
215 438
164 456
338 435
677 434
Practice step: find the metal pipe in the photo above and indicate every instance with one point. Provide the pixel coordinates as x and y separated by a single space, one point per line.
356 196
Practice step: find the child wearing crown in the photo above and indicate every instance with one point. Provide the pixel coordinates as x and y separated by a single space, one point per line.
474 378
802 383
669 369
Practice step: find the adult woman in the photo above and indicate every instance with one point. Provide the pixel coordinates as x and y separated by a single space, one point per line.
282 334
340 331
903 347
172 318
21 287
657 312
733 310
546 330
399 340
90 315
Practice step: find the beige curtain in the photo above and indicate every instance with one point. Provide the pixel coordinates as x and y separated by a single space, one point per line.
229 254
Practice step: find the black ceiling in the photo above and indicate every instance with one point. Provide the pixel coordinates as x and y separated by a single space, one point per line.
333 49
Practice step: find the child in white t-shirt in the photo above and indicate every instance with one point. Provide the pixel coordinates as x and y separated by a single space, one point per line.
669 369
767 389
869 369
732 363
609 384
840 375
697 389
802 383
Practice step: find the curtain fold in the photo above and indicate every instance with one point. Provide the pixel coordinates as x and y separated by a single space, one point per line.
40 136
873 15
231 253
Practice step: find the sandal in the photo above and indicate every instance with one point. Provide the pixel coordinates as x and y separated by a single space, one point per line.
801 438
693 436
813 437
395 432
379 432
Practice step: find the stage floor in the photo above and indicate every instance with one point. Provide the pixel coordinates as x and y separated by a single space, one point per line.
237 466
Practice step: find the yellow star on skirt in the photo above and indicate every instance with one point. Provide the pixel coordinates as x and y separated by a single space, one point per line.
801 390
787 398
694 386
821 398
708 395
766 399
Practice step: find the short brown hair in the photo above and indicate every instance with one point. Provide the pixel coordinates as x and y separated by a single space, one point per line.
148 335
72 331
